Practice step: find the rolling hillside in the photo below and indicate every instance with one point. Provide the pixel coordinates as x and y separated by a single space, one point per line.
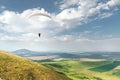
13 67
81 69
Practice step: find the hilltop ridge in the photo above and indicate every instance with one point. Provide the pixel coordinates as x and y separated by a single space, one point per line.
13 67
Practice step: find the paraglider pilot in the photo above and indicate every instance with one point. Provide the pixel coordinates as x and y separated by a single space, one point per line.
39 34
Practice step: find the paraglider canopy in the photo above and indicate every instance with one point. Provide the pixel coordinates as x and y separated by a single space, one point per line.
40 14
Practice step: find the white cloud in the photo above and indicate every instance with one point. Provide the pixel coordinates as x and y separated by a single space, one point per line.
67 3
19 27
89 45
21 23
69 17
77 12
112 3
105 15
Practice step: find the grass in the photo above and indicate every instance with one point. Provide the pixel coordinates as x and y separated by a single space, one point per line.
69 68
106 67
116 73
13 67
79 70
95 64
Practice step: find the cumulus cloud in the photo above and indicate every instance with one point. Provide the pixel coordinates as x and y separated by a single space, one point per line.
67 3
105 15
112 3
73 14
20 27
19 23
78 12
83 44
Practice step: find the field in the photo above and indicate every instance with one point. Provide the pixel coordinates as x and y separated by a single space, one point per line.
79 66
106 67
86 69
40 57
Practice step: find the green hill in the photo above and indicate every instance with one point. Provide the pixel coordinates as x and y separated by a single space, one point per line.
106 67
13 67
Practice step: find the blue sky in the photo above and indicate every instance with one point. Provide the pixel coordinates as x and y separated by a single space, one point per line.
76 25
20 6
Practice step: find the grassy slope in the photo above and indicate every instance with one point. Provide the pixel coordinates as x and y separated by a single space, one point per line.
13 67
116 72
78 70
106 67
72 69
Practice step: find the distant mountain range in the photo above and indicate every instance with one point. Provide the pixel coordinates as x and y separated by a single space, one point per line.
29 53
26 52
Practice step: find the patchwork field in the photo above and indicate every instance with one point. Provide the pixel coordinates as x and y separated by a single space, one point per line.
78 66
86 69
91 60
106 67
40 57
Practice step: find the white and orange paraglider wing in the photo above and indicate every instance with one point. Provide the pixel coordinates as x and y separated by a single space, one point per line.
40 14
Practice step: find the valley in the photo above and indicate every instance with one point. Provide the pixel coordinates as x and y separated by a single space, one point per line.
81 66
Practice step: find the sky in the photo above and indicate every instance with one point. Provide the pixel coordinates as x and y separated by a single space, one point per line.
74 26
